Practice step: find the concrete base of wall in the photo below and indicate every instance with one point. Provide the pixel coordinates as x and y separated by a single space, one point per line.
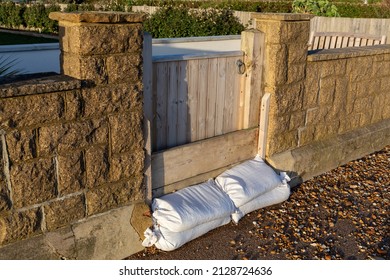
113 235
319 157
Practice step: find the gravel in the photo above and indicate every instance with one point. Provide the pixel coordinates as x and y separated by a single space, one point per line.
342 214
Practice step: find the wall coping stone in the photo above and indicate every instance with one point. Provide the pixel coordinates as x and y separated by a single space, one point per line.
36 84
98 17
281 16
341 53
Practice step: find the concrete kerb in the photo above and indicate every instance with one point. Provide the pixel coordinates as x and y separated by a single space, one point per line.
105 236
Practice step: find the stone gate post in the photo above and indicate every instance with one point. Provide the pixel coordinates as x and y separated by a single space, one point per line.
286 39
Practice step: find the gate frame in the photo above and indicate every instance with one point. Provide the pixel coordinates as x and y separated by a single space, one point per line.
170 170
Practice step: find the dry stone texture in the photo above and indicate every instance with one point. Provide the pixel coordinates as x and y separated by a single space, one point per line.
19 226
71 172
62 212
33 182
97 166
22 145
69 136
27 111
112 196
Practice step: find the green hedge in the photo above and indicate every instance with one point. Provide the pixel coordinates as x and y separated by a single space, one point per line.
362 11
249 6
345 8
35 17
178 21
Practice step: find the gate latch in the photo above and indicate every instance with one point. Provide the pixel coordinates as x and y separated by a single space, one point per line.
240 67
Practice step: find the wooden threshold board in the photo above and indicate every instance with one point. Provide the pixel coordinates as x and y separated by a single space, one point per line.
194 163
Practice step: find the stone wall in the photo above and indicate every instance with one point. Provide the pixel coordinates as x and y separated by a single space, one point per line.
345 90
72 145
327 107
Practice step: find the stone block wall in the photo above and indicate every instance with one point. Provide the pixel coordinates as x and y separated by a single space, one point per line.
32 176
326 107
71 145
345 90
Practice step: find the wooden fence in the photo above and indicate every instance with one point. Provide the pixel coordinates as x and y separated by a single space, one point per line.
195 98
371 26
203 112
334 40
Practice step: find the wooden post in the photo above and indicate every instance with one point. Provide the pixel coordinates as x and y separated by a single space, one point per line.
148 113
252 44
263 127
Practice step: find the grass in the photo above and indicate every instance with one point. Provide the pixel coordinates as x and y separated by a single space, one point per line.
16 39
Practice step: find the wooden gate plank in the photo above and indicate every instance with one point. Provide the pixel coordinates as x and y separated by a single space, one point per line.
230 72
161 88
211 97
172 105
182 111
220 98
202 98
193 70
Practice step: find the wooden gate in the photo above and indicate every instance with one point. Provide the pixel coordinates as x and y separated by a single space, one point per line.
202 111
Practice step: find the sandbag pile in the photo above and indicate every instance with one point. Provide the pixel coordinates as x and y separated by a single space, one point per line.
253 185
187 214
184 215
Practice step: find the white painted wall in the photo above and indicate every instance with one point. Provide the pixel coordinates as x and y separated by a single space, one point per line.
34 58
191 45
38 58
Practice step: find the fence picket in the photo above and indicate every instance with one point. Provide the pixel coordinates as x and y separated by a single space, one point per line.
193 98
172 107
211 97
220 98
202 98
161 105
182 97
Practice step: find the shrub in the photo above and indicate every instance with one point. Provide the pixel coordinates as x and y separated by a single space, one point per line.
37 16
212 22
363 11
180 21
170 22
11 15
316 7
281 6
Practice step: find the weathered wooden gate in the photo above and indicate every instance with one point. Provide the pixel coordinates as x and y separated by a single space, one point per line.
202 111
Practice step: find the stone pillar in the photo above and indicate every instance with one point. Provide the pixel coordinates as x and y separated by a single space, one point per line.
104 50
101 47
72 147
286 39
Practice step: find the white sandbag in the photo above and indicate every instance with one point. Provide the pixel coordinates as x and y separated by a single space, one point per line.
274 196
192 206
249 180
167 240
